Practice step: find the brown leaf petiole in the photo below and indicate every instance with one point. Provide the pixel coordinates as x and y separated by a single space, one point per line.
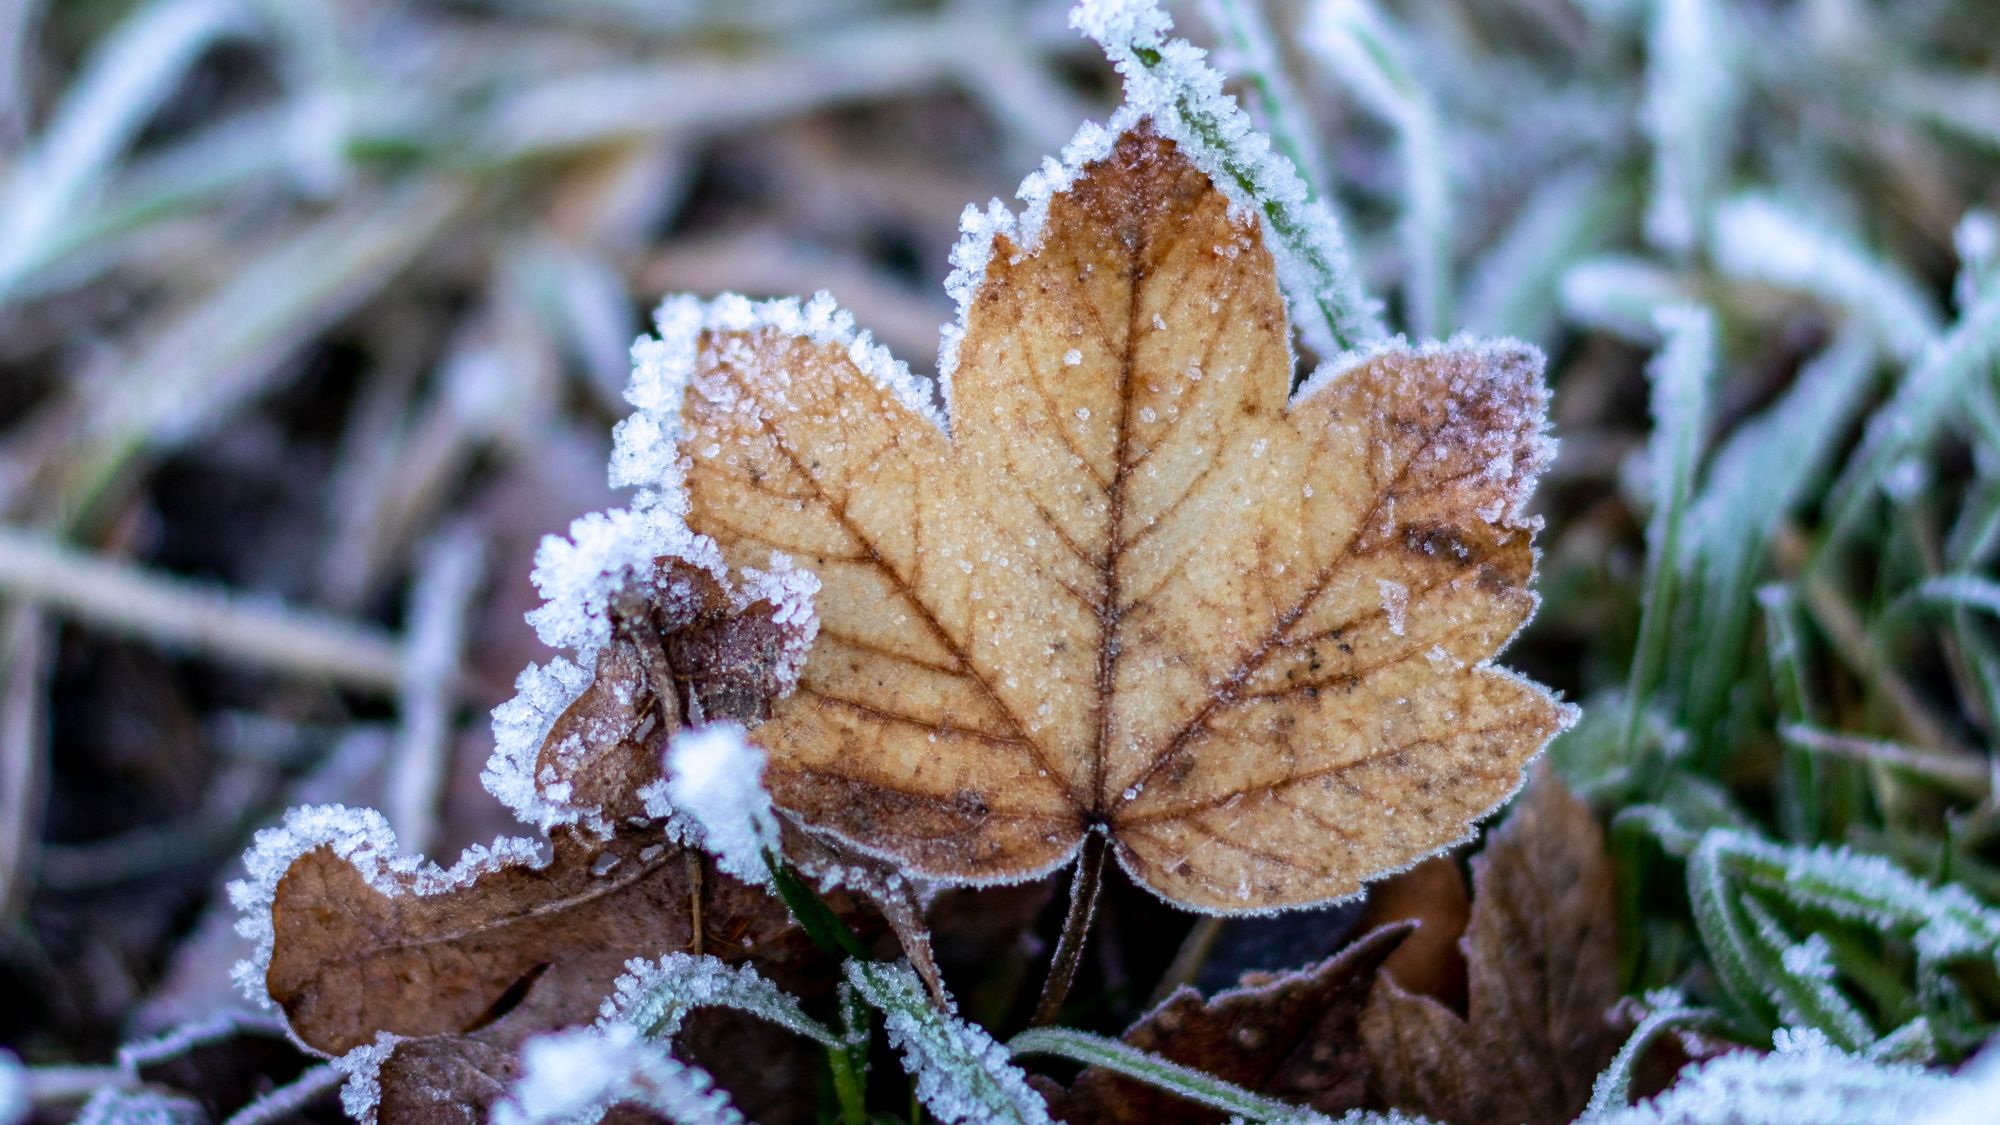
1083 889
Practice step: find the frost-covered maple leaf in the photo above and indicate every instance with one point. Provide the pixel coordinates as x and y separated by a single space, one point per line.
1127 582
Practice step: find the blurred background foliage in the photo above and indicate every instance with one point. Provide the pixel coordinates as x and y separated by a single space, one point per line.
314 318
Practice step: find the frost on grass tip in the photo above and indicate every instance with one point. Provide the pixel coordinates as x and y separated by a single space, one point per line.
1170 82
1805 1081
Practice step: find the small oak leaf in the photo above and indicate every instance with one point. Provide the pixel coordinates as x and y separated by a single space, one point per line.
1541 953
1291 1036
353 958
1136 588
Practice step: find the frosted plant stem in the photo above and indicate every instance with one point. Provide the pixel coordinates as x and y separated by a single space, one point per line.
1963 774
1845 631
284 1102
1680 374
449 574
1169 80
1083 890
176 612
1183 1081
23 749
48 1084
1254 60
112 98
1189 959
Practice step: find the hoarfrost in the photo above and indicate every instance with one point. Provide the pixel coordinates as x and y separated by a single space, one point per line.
112 1106
1170 82
654 997
716 778
1395 602
608 554
1923 401
1946 921
1691 96
1758 237
979 228
1621 295
962 1074
1972 1094
541 694
1805 1081
664 368
191 1036
574 1076
790 590
362 838
1506 370
361 1094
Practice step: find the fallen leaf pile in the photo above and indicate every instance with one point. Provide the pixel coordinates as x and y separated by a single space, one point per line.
1140 588
1541 953
1136 588
462 966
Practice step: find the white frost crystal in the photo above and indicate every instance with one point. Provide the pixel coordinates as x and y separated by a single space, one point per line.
573 1077
962 1074
715 776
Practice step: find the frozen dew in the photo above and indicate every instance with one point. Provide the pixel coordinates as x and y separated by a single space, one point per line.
361 1092
575 1076
1395 603
962 1074
520 726
716 779
655 997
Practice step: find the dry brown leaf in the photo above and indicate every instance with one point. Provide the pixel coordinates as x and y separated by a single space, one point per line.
1542 965
461 966
1292 1036
1136 588
354 957
721 658
457 1079
1433 895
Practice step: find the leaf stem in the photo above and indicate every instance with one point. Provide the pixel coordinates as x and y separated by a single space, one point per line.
818 920
1069 947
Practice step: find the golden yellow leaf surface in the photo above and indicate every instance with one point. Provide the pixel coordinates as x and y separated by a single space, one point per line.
1138 587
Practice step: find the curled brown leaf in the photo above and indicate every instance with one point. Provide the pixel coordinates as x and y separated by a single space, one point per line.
1542 964
1289 1035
